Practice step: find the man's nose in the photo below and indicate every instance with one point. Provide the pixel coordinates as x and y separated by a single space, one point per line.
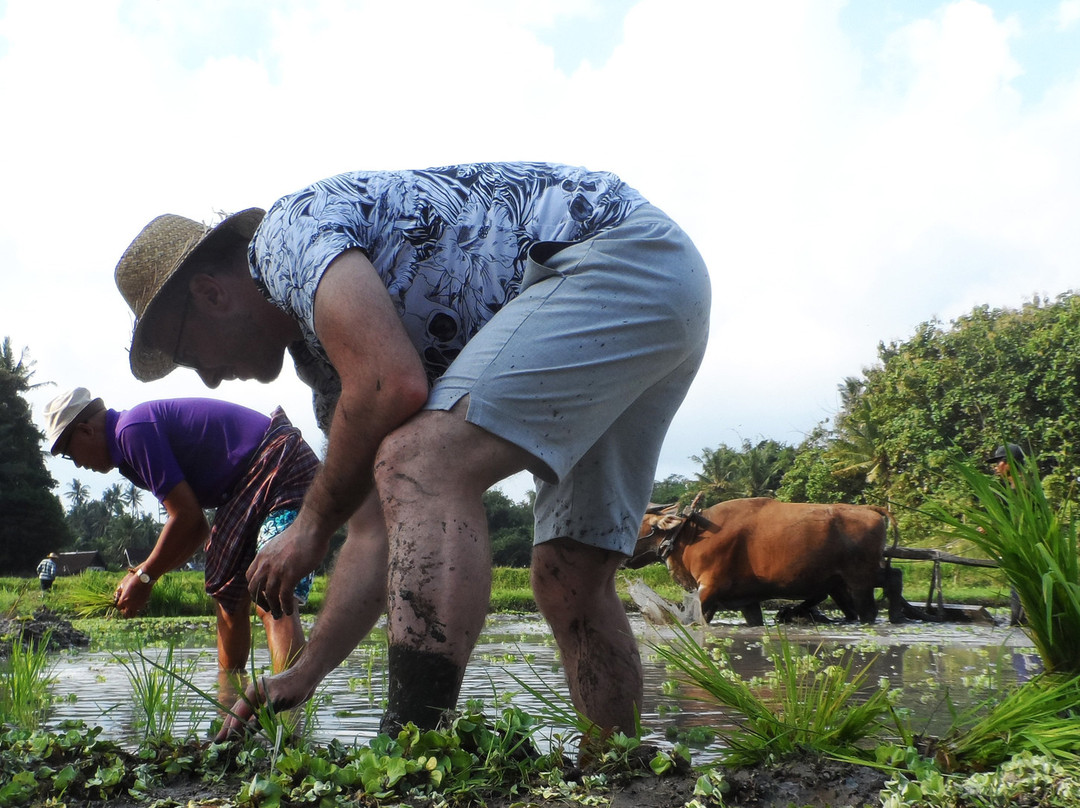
210 378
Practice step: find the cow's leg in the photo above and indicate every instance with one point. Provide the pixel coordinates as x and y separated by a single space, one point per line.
892 582
844 602
865 604
752 614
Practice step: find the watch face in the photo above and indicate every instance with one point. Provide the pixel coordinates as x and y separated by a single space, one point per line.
144 577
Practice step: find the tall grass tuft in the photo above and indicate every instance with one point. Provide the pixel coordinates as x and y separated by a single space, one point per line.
1014 524
159 690
1039 717
804 705
24 683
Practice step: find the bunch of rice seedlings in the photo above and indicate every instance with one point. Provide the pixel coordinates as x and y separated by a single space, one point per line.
804 705
1014 524
1040 717
89 595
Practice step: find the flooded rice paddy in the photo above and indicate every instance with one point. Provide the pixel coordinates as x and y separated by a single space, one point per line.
932 664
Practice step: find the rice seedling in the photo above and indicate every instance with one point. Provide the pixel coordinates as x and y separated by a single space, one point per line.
159 693
803 705
24 683
1039 717
90 595
1014 524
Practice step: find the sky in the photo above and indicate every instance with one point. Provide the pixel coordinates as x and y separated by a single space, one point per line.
848 170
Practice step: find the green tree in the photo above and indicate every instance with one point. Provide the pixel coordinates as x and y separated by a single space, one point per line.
510 528
955 391
754 471
33 518
673 488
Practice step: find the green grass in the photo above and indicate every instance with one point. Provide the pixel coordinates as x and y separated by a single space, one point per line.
181 594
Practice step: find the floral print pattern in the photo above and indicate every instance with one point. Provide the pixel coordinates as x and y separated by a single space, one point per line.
450 244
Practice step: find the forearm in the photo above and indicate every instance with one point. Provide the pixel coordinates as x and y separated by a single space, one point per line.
356 596
178 541
346 478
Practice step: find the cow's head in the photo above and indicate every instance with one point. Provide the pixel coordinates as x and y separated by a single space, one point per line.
657 532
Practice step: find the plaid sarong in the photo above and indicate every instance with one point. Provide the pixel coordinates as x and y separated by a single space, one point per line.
280 473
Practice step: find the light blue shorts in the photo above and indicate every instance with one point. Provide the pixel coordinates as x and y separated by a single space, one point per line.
274 524
585 369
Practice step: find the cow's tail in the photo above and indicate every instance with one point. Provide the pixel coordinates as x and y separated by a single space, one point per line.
890 519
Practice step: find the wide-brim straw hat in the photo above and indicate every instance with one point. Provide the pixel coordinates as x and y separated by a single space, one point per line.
157 258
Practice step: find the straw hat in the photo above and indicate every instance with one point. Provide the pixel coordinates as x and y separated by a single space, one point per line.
65 411
157 256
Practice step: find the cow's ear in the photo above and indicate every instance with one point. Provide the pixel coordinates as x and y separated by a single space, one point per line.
669 522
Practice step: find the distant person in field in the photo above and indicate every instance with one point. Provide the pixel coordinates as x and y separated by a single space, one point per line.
194 454
46 571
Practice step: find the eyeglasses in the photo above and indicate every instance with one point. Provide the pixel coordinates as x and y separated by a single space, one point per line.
180 335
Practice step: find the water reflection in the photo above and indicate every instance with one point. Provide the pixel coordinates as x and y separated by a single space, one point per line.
931 664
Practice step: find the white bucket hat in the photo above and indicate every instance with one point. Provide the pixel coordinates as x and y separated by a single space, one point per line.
158 254
65 411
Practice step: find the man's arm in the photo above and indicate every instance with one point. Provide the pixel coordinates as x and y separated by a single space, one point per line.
185 531
382 385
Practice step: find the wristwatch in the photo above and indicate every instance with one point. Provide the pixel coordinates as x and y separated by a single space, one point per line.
143 575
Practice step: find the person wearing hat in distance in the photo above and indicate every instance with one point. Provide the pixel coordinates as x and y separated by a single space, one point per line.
191 454
46 570
457 325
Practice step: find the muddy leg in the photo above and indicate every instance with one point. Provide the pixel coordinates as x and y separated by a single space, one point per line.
574 587
431 475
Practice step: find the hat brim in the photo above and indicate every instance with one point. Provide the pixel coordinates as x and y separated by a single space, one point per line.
95 406
149 364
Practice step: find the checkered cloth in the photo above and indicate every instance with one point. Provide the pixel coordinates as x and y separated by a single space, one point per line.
280 473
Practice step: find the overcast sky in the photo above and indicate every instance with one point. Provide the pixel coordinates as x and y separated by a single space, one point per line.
848 170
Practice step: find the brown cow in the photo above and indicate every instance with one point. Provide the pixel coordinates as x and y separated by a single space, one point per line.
739 553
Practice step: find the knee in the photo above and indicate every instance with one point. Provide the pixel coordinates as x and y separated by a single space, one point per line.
403 466
569 578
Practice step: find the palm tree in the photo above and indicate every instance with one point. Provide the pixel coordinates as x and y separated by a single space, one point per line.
114 500
133 497
859 446
77 494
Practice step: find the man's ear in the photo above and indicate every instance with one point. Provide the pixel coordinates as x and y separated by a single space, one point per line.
209 292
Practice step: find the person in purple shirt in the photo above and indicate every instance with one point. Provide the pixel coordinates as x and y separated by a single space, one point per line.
194 454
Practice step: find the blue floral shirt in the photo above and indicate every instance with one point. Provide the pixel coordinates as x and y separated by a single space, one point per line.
449 243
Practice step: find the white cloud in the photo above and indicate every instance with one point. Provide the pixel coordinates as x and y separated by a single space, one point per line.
842 187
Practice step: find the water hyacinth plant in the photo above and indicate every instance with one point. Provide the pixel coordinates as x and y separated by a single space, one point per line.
1035 545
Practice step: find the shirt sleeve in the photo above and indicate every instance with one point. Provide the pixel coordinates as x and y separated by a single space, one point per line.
146 449
299 238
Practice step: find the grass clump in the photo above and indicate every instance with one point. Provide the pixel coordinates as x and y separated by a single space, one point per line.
804 705
160 691
25 677
1013 523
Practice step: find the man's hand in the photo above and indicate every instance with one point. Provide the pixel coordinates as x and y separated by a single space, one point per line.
280 565
286 690
132 595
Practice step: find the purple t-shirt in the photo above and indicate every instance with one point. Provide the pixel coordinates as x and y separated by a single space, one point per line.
202 441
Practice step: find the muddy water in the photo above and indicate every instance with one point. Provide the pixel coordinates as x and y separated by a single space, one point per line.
931 664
